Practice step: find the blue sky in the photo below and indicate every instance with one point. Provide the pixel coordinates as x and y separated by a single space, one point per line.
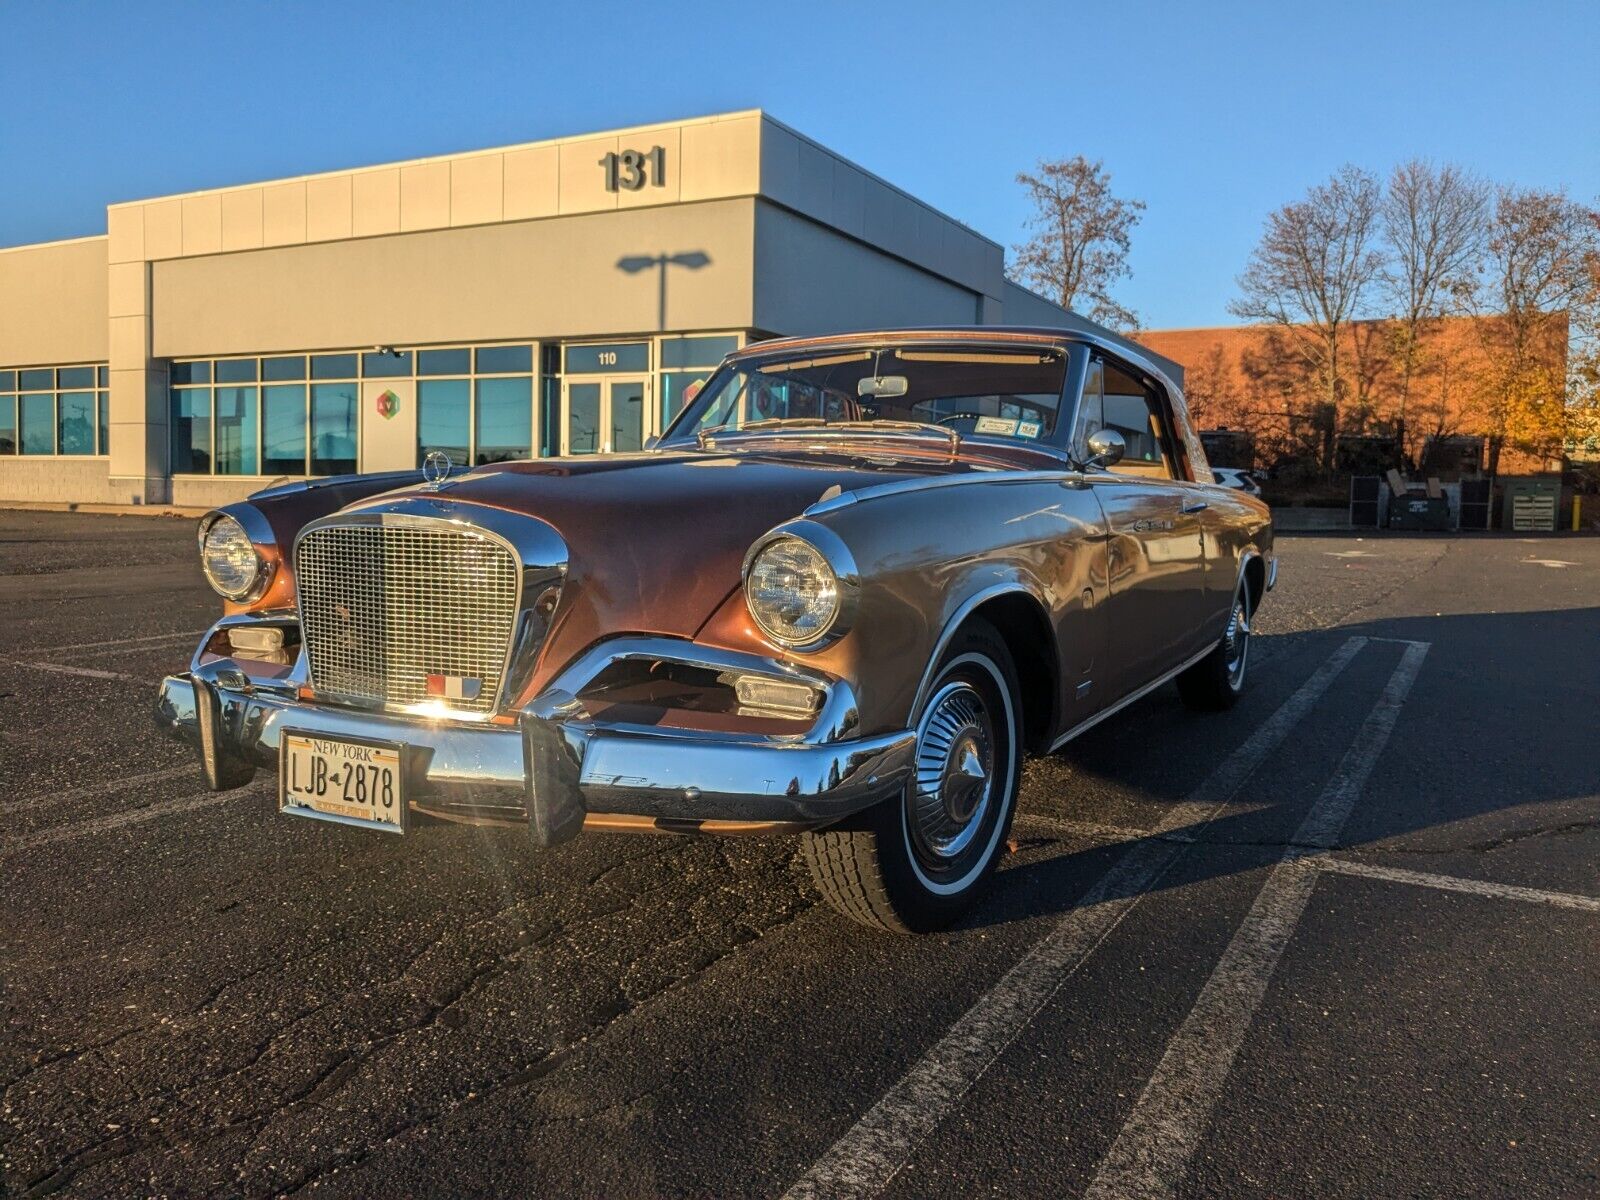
1212 115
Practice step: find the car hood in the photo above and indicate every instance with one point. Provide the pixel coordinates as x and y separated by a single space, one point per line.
656 541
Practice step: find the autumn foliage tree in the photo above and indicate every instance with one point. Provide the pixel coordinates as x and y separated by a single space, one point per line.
1538 281
1310 275
1081 233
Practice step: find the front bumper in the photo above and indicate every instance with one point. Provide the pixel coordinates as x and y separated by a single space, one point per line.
557 766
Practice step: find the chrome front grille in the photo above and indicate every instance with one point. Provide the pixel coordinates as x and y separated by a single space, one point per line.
385 606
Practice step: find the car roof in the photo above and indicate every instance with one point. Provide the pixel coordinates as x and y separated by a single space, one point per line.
995 335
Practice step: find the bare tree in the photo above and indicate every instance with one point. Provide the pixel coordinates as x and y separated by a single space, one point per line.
1081 239
1539 284
1310 274
1434 220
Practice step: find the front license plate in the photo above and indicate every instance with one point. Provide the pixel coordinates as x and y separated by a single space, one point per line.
340 779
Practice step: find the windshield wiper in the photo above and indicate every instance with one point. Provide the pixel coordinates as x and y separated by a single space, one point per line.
705 436
944 431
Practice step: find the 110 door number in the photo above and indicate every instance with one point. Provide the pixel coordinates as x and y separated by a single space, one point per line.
633 169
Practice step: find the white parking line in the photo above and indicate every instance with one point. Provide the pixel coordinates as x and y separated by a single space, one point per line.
1152 1153
124 641
1455 883
40 799
120 820
866 1158
86 672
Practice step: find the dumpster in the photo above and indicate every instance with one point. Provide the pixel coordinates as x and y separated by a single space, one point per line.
1412 511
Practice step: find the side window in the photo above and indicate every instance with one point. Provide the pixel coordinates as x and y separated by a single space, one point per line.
1134 409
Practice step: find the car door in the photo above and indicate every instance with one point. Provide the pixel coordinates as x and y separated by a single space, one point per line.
1155 548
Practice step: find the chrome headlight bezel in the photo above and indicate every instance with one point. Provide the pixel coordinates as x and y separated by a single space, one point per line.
834 557
260 577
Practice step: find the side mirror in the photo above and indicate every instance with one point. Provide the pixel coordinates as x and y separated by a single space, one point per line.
652 441
1106 448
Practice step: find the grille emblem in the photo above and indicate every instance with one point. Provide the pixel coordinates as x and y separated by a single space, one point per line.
454 687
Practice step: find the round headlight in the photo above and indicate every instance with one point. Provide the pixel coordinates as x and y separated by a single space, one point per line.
792 591
229 559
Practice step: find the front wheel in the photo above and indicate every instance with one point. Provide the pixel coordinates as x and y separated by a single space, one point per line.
915 863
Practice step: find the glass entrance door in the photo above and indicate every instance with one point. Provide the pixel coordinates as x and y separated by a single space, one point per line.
604 415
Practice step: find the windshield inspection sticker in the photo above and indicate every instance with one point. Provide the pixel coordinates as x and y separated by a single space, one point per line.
1028 429
994 425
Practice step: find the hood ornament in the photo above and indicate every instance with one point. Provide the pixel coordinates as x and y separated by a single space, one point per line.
436 468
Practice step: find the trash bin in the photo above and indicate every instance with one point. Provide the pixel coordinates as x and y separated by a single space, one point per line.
1419 512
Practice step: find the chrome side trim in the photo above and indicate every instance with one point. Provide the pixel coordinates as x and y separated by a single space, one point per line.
1137 694
1066 478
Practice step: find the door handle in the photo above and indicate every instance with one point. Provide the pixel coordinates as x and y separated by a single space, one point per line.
1197 506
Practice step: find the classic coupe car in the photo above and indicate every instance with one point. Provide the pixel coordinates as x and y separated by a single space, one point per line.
857 579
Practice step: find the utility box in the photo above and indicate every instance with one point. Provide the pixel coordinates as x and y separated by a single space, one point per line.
1411 511
1531 504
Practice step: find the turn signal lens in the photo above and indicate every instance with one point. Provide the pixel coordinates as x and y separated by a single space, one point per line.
765 694
791 591
228 558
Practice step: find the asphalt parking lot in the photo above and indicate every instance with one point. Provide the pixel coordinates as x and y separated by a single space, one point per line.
1341 941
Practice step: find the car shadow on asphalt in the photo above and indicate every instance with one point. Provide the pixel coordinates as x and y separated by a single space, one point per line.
1493 725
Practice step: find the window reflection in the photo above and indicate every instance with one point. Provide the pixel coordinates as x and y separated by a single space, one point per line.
333 428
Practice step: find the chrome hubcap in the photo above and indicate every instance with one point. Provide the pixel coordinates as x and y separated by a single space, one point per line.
1237 642
955 771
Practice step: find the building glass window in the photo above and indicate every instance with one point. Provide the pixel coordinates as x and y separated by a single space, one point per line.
62 410
445 362
687 362
236 430
288 367
333 428
444 419
333 366
36 421
383 365
76 418
505 360
283 429
190 372
504 420
235 370
191 431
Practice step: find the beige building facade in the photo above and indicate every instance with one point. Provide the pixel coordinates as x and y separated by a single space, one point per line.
550 298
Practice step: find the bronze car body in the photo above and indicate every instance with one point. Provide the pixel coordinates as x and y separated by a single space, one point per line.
631 652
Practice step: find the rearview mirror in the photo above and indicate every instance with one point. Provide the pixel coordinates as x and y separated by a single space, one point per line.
1106 448
888 386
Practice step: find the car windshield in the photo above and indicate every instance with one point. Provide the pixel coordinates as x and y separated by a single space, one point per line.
987 392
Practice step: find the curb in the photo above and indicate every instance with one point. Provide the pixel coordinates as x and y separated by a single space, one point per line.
107 510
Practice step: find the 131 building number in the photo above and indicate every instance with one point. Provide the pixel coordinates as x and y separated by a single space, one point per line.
632 169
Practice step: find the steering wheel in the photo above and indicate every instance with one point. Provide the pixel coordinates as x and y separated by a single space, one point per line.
959 416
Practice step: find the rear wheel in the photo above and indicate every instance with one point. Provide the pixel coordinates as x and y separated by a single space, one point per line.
915 863
1217 680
